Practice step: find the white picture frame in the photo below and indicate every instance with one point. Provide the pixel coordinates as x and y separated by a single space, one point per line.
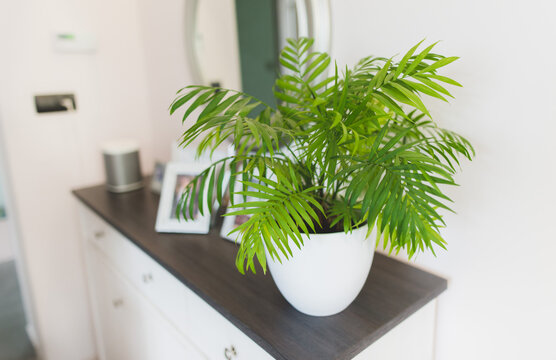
176 177
158 177
231 222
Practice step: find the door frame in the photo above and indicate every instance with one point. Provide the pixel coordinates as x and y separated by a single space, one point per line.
17 247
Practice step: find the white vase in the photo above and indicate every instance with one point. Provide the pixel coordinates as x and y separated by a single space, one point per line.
327 273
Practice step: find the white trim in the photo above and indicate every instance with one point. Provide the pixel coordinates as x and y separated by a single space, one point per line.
320 21
85 250
190 29
6 251
17 247
303 21
32 334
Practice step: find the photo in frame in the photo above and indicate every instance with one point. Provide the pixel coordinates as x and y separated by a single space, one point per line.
231 222
158 177
176 177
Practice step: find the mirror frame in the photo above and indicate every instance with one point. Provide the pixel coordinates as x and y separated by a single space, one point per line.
313 19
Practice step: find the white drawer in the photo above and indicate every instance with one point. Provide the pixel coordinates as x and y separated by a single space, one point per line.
131 328
218 338
162 289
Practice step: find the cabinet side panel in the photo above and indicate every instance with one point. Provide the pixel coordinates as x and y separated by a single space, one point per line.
84 219
412 339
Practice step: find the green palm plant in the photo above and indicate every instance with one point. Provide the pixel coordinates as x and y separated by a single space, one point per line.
336 152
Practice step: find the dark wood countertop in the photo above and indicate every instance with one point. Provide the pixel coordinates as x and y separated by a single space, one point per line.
205 264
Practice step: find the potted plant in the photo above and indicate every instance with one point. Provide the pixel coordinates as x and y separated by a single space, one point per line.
338 162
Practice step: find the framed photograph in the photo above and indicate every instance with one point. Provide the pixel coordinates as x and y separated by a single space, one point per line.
176 178
232 222
158 177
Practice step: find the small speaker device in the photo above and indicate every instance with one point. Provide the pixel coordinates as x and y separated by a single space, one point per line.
121 163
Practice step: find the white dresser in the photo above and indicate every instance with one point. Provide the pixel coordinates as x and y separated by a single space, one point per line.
142 312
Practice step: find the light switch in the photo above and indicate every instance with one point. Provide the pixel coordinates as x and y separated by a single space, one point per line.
72 42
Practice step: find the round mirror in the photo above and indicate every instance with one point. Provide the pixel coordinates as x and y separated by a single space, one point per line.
235 43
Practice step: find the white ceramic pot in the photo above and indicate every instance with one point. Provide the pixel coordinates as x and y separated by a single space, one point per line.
327 274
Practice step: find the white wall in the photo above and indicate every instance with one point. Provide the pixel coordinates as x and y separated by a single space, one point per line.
217 43
501 300
163 31
50 154
122 90
500 243
10 231
2 201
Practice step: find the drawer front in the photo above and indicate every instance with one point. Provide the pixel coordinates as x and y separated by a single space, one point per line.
100 234
162 289
218 338
131 327
166 292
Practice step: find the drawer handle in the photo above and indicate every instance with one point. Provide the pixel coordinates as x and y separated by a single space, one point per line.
117 303
230 353
99 234
147 278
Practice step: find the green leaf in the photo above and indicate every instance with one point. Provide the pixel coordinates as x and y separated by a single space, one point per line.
210 190
197 103
444 79
401 66
213 104
418 103
319 70
440 63
424 89
180 101
377 80
220 183
417 61
193 199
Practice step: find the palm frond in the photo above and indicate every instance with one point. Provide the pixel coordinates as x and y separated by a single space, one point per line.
357 146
